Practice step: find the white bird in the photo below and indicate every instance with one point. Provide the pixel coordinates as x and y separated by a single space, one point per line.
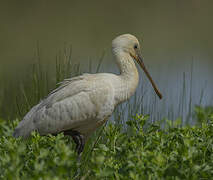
82 104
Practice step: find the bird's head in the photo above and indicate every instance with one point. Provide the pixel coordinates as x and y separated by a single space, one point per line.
129 44
126 43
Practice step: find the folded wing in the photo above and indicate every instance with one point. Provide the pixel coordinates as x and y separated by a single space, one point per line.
79 103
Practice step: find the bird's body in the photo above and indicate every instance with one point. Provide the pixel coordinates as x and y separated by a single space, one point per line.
84 103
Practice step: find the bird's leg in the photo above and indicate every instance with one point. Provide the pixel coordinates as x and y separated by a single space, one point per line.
78 139
80 142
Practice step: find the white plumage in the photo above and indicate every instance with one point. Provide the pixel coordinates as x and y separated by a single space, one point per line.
82 104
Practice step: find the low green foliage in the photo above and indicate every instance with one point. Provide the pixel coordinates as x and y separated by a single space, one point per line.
38 157
138 151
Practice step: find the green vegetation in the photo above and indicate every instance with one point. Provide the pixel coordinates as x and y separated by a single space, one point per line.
133 149
137 151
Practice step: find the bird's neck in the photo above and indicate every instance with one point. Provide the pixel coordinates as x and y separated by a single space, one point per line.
128 77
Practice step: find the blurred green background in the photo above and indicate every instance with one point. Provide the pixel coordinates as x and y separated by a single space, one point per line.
176 38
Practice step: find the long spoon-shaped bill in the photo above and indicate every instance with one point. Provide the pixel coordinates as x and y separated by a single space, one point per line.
139 60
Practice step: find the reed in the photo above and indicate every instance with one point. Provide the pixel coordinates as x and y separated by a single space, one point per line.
17 98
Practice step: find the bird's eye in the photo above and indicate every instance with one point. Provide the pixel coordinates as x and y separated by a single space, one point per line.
136 46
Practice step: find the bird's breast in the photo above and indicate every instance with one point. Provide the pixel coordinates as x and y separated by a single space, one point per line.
125 88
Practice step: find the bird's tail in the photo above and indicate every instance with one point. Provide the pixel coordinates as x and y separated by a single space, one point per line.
17 132
24 130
